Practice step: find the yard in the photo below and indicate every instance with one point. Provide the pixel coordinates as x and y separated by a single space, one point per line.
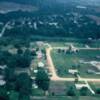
95 87
93 44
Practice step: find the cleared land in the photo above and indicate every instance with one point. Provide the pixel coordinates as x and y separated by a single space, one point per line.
65 61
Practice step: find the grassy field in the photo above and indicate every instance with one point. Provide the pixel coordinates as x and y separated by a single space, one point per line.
95 85
60 88
76 44
74 98
63 44
71 98
63 62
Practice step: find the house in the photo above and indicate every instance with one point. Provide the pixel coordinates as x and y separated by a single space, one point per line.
73 49
35 86
35 71
80 86
40 64
2 81
95 64
73 71
2 67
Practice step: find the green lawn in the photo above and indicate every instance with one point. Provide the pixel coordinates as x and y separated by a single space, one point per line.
63 62
76 44
63 44
95 85
37 92
74 98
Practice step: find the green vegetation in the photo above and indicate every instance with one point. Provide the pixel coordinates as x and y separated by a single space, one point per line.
59 25
73 98
95 87
42 80
65 61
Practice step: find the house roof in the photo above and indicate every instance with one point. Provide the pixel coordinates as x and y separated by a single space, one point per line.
2 82
40 64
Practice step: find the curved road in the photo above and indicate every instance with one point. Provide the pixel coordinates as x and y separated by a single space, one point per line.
52 69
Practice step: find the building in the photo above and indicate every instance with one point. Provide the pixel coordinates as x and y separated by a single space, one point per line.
40 64
73 71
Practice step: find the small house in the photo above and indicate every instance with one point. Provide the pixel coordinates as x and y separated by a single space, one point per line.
73 71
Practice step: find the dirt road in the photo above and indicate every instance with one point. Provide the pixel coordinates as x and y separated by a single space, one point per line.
52 69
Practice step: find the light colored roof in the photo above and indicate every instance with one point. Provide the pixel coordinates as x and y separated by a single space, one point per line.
79 86
2 82
95 64
3 66
35 86
35 71
73 71
40 64
33 78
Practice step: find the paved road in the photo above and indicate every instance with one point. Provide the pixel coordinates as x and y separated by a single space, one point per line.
3 29
55 77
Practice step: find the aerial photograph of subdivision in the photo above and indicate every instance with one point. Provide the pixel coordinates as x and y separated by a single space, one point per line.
49 49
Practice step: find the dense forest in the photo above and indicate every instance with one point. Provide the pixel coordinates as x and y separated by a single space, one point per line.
52 19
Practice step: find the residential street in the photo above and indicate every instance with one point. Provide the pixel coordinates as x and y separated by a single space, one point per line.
55 77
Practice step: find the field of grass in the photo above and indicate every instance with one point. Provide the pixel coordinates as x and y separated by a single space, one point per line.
60 88
73 98
63 62
95 85
37 92
63 44
76 44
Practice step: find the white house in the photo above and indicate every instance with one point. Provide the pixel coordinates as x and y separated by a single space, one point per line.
2 67
2 81
79 86
73 71
40 64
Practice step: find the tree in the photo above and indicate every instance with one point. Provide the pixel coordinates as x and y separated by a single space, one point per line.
33 53
24 84
42 79
19 51
3 93
5 56
22 61
84 91
98 91
71 91
9 74
13 95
